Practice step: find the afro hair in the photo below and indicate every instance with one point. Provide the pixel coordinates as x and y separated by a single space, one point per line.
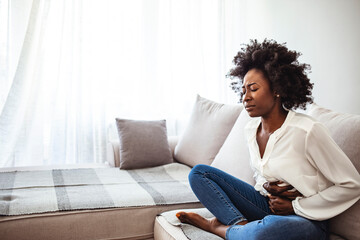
281 67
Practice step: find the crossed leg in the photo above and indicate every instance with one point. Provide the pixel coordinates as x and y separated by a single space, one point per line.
218 191
234 202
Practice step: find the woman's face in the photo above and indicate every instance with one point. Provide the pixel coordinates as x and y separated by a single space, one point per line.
258 98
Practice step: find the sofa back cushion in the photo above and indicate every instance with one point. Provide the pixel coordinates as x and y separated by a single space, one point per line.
345 130
208 127
234 156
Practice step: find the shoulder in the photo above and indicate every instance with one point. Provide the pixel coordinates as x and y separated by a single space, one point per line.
303 121
308 124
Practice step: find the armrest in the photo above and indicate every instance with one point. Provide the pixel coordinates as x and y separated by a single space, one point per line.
173 140
113 153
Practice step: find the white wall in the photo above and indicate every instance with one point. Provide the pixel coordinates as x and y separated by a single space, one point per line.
327 32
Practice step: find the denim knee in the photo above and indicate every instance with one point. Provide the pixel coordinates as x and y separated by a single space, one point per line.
201 168
197 170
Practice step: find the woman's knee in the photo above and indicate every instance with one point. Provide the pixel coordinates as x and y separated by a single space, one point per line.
198 170
198 175
201 168
197 180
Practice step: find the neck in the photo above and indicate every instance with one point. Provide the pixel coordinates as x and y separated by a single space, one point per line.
271 122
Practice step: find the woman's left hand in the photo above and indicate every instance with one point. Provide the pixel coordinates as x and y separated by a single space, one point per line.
280 206
274 189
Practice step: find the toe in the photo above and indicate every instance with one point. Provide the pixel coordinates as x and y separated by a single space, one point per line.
181 216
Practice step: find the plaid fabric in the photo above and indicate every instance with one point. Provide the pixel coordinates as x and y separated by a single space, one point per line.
26 192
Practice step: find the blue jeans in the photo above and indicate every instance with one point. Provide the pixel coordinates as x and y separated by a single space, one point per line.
231 201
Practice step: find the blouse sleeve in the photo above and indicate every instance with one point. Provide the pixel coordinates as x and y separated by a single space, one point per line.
259 182
334 165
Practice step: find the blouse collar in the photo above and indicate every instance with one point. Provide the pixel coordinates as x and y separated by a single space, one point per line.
251 130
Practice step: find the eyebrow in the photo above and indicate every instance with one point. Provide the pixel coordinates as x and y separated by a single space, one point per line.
250 84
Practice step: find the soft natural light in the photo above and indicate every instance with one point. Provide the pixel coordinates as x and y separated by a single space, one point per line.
83 63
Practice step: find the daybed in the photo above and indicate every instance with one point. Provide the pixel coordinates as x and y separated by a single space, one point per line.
122 205
214 135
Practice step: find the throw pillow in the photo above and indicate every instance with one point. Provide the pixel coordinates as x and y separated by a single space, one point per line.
208 127
143 143
234 156
345 130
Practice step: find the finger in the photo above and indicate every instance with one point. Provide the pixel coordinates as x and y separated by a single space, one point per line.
275 189
274 183
274 202
266 186
285 188
271 197
271 209
279 201
297 193
269 186
271 203
291 195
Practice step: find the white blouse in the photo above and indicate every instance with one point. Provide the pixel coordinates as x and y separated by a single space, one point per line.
302 153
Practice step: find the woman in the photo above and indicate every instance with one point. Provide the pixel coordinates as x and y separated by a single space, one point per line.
302 177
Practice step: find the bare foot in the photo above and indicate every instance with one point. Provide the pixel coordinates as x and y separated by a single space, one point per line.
193 219
212 225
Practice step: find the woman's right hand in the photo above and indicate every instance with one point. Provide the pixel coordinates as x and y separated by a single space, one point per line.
282 191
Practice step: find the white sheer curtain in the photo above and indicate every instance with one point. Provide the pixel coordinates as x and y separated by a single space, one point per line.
83 63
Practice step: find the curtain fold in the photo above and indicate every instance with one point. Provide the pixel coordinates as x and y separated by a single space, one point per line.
83 63
4 51
14 123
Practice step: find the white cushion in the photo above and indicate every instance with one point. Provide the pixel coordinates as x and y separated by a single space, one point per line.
345 130
208 127
234 156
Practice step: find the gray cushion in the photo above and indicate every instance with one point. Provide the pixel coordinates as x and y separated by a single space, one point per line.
143 143
345 130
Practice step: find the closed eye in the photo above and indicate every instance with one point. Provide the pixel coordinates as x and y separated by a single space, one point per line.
252 90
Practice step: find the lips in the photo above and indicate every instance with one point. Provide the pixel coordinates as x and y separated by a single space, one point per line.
250 107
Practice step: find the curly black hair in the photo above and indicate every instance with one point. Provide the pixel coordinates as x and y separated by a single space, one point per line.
280 66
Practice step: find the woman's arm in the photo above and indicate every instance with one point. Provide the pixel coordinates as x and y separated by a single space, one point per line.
332 163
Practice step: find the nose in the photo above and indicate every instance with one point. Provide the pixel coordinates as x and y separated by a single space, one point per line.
246 97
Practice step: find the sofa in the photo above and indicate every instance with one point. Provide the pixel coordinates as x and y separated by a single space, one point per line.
233 157
214 136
